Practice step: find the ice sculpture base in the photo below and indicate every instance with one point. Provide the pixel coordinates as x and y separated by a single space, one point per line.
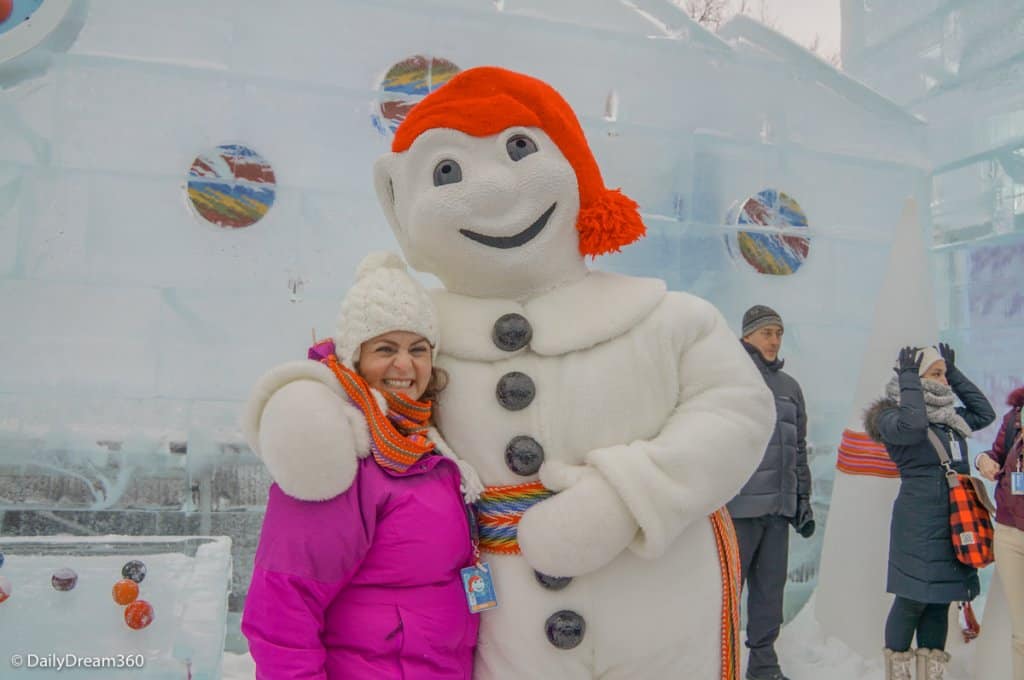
187 583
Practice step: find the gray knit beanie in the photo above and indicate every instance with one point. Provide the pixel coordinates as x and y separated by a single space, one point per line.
760 316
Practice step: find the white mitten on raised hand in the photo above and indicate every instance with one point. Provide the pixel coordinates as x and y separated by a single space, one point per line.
309 436
578 530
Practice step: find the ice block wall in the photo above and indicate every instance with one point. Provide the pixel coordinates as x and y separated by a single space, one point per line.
957 66
133 324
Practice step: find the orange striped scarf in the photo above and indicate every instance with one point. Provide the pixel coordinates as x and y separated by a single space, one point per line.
398 439
861 455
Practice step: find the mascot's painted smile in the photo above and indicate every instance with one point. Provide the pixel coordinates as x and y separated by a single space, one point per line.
515 240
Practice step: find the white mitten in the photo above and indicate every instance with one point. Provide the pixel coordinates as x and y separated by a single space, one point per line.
559 476
578 530
309 436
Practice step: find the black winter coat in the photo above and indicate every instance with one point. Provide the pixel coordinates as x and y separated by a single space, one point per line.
783 477
922 564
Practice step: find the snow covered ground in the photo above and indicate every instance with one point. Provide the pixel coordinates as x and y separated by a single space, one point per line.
804 652
238 667
807 654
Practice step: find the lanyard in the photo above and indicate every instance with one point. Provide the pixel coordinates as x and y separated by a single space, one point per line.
1018 441
954 445
474 531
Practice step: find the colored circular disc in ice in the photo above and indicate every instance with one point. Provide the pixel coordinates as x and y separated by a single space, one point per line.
139 614
5 588
1 559
231 186
405 84
24 24
64 579
14 13
767 253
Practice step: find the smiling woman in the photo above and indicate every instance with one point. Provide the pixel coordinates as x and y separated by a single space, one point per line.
365 542
398 361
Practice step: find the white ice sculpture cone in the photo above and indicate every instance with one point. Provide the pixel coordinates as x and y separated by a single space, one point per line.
993 657
850 602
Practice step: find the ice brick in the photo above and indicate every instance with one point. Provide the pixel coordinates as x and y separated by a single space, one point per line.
187 587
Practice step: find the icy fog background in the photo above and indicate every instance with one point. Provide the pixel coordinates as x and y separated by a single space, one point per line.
131 328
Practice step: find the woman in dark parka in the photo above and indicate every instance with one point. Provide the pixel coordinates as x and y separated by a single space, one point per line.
924 573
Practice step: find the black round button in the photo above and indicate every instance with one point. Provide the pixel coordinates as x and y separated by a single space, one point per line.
552 582
515 391
511 332
565 629
523 455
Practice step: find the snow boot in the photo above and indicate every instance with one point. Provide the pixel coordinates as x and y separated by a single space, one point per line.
931 664
898 665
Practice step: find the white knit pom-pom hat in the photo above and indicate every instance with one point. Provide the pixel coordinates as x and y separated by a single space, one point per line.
384 298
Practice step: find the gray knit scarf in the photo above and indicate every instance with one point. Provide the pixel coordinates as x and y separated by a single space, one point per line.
938 400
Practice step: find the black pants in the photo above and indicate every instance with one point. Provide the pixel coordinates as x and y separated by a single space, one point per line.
929 621
764 558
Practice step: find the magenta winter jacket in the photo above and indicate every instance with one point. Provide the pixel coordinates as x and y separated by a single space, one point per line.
367 584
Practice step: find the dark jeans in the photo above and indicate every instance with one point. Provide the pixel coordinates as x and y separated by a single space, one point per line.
764 558
929 621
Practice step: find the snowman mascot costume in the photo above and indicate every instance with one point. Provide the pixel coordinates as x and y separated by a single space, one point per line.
609 419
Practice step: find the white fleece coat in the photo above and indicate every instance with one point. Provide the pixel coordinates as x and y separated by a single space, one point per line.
651 416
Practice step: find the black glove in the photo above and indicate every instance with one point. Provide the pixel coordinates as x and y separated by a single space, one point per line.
803 520
907 362
948 355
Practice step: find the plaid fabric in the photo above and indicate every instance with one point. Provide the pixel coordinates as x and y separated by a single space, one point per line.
970 525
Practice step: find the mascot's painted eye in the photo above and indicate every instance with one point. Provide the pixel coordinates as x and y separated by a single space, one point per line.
519 147
447 172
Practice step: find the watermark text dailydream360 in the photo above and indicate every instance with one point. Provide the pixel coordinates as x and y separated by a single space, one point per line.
62 662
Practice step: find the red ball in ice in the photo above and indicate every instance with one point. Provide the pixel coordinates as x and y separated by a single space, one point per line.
138 614
5 588
125 591
64 579
6 7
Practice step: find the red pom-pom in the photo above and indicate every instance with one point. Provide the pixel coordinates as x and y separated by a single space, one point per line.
614 221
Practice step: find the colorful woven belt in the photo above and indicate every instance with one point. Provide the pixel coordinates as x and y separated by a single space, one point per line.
729 563
501 507
498 513
859 454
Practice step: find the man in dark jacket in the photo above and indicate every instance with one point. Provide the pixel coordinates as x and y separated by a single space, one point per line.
778 495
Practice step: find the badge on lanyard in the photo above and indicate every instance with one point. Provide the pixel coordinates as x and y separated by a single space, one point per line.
477 583
1017 476
479 588
1017 483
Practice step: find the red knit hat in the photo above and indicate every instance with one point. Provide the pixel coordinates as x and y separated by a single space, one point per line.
484 101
